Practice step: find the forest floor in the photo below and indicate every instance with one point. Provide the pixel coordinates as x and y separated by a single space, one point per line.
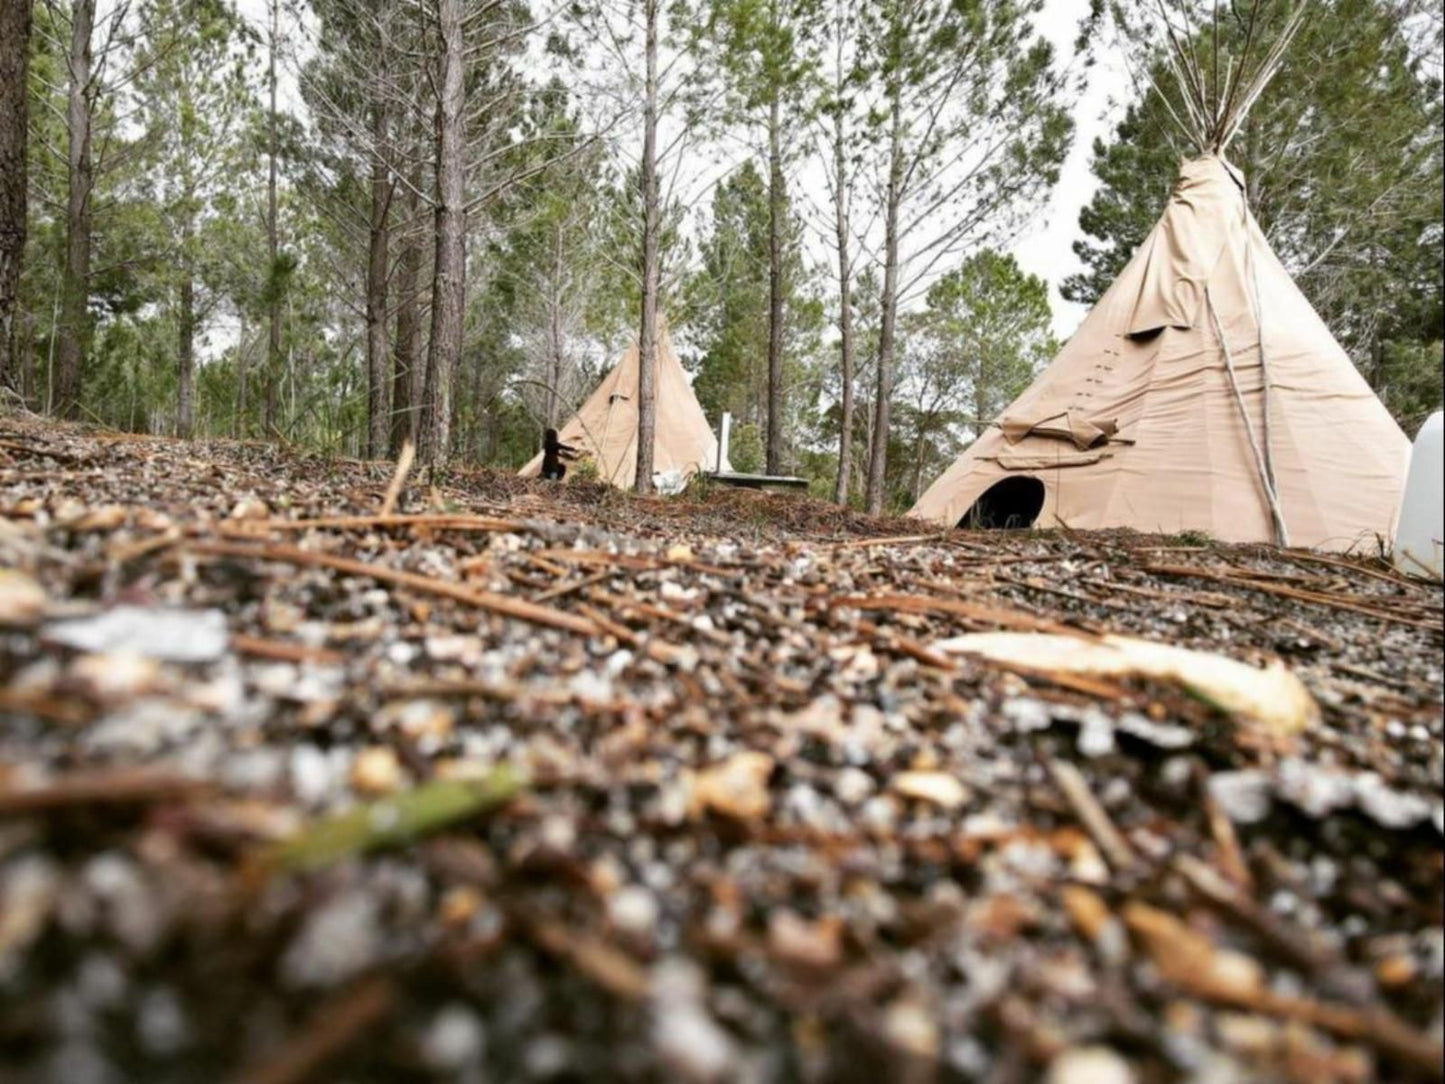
520 781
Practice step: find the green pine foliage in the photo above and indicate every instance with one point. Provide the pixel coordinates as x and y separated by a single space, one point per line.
982 337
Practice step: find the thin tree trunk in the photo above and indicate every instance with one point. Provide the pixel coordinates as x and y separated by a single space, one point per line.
981 399
29 371
239 429
186 338
406 376
554 391
449 273
647 335
845 304
378 358
271 382
14 118
776 211
919 446
878 453
475 421
75 293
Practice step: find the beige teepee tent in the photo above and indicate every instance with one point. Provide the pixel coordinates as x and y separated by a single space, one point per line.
1201 393
604 429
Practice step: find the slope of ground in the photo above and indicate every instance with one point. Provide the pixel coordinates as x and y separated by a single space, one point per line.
683 790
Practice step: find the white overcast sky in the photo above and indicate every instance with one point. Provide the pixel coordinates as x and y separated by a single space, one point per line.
1047 248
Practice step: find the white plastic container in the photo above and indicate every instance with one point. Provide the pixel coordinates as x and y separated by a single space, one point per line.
1418 539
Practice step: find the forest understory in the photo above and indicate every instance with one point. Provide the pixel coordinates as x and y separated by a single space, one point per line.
309 775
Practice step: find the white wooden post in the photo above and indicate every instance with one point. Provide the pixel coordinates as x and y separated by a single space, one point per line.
725 432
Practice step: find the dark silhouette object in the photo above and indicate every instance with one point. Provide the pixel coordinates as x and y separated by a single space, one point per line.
1012 503
553 452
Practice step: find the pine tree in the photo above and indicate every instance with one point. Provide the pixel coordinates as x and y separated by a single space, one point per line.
968 131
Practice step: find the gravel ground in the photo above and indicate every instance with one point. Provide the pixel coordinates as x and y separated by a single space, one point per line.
532 782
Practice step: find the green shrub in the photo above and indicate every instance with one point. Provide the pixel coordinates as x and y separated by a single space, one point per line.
746 450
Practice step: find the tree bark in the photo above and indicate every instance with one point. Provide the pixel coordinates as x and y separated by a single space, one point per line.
378 357
25 354
239 429
75 288
776 212
845 307
14 119
449 269
878 453
554 391
647 335
407 371
271 379
920 444
981 398
186 337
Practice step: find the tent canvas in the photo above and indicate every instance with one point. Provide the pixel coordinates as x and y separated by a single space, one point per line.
1202 393
1138 422
1420 539
604 429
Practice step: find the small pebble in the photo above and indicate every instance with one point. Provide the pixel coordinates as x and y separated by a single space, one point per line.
376 771
1090 1065
633 910
454 1040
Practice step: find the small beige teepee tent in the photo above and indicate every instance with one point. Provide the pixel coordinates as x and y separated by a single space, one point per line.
1201 393
604 429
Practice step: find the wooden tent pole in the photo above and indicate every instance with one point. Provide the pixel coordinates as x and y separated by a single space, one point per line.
1264 373
1281 532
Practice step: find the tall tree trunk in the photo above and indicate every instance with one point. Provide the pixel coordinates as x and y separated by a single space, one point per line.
75 290
378 358
647 335
239 429
271 382
982 396
845 306
14 118
186 337
554 391
26 359
407 371
878 453
475 420
776 211
449 271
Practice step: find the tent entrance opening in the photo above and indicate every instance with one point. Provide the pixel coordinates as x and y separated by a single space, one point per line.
1010 504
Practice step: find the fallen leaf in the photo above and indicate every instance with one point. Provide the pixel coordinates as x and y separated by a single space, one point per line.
251 508
105 518
1396 971
417 718
22 600
737 788
190 636
1189 959
935 788
376 771
812 944
1087 910
116 677
1271 697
